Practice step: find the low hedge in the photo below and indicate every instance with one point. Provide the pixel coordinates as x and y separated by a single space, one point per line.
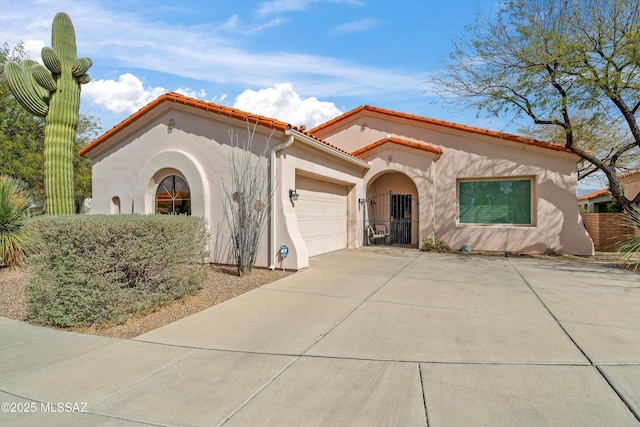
102 269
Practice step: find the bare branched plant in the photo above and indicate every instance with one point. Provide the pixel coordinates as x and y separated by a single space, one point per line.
247 201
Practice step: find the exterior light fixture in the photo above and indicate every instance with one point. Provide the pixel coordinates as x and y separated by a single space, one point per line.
293 195
171 125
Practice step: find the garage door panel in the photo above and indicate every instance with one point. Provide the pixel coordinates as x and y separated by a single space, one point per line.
322 215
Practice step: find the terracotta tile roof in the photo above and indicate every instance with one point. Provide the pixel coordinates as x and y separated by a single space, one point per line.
206 106
593 195
606 191
451 125
404 142
628 174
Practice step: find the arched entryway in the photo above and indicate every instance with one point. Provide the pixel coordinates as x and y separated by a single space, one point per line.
390 216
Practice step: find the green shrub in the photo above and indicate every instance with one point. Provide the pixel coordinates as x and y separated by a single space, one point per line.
102 269
15 199
431 244
630 248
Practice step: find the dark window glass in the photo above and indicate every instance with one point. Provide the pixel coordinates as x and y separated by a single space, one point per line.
173 196
495 202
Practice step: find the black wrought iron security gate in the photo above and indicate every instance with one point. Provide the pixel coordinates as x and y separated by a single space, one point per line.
390 219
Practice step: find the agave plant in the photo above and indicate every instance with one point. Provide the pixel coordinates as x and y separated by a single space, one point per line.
15 199
630 248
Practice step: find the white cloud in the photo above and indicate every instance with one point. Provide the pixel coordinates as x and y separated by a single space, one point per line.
231 23
276 6
187 91
127 95
283 103
219 99
33 49
283 6
356 26
237 26
124 39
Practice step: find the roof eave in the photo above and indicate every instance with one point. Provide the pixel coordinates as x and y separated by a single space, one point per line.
442 123
324 148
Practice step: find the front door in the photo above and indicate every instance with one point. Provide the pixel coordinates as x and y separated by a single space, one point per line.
400 205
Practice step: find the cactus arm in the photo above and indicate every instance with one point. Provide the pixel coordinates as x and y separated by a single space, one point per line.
84 79
27 67
51 60
23 88
42 76
81 66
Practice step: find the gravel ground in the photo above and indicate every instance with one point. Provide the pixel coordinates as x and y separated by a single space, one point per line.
222 284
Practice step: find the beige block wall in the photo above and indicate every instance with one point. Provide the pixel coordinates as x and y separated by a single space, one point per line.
608 230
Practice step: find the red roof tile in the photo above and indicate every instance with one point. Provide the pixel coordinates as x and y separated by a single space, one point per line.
606 191
593 195
628 174
206 106
451 125
404 142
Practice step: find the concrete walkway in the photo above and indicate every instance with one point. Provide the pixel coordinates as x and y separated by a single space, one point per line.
368 337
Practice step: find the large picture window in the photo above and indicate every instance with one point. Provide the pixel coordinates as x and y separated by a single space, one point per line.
173 196
499 201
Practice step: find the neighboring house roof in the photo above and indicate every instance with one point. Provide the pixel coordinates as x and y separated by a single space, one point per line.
628 174
606 192
404 142
593 195
206 106
451 125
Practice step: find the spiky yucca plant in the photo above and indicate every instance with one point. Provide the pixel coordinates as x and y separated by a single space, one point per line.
15 199
630 248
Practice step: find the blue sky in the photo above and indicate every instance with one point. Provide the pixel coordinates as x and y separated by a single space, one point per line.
301 61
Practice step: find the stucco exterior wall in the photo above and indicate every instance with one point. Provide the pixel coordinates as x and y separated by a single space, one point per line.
631 186
129 167
197 149
406 171
300 159
556 220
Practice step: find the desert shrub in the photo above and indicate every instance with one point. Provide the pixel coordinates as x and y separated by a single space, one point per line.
630 248
102 269
431 244
15 199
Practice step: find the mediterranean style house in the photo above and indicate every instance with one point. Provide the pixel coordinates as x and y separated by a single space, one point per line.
598 201
369 176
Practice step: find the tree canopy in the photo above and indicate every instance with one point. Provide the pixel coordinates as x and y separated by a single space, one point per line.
572 68
22 137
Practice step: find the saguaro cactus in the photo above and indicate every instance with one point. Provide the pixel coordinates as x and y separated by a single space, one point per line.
54 93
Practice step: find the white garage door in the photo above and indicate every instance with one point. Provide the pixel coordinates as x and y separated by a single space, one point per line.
322 215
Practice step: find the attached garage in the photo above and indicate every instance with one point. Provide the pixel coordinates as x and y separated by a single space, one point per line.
322 214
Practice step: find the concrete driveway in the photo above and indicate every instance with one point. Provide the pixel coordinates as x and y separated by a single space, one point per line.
367 337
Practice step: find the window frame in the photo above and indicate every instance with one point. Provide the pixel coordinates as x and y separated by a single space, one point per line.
173 189
532 201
